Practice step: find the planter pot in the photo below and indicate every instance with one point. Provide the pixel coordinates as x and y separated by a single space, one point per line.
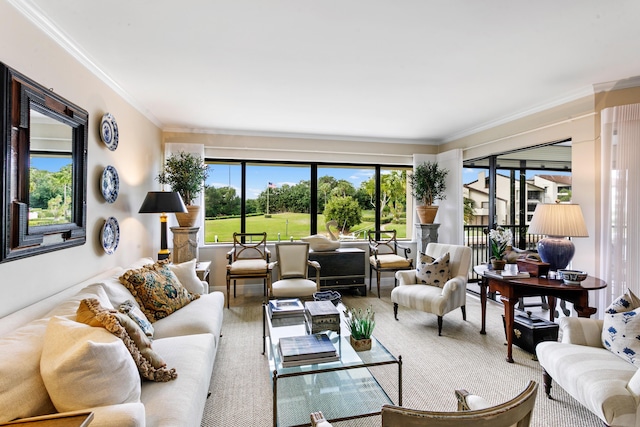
190 218
498 264
427 214
360 345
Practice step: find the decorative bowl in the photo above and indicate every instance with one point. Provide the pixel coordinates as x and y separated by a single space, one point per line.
572 277
332 296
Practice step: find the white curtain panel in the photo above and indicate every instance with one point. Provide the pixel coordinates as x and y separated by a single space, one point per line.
171 148
620 243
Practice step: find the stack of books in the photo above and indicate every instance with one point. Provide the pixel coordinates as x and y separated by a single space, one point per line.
285 307
503 274
321 316
307 350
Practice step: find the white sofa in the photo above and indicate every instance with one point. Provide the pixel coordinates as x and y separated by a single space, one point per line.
187 340
603 382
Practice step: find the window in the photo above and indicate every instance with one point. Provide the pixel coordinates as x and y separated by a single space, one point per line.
290 200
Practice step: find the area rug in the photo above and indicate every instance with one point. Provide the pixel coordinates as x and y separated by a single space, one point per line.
433 366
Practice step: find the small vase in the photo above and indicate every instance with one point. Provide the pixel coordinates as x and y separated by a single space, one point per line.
498 264
360 345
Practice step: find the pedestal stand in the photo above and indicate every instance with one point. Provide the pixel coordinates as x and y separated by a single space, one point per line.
185 244
426 233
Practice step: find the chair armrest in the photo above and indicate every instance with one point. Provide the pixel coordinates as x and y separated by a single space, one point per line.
406 249
272 265
581 331
470 402
230 255
317 420
267 254
406 277
314 264
452 285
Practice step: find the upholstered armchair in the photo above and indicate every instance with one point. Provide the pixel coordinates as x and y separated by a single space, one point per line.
473 411
248 259
293 265
442 292
384 254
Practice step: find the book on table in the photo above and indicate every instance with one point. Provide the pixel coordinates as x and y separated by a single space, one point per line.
285 307
307 349
503 274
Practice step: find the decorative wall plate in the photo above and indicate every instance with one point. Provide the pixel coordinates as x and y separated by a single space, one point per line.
109 131
110 184
110 235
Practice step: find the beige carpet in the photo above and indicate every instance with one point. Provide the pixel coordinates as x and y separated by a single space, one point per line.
433 366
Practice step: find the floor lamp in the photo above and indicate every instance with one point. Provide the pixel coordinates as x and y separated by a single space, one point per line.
162 202
557 221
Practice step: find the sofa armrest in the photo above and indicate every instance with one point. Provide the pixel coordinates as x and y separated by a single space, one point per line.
406 277
123 415
581 331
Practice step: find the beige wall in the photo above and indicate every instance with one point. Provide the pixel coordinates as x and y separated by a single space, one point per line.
137 159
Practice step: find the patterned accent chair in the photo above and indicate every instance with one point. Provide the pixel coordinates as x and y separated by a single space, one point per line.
293 272
473 411
383 254
437 299
249 259
603 382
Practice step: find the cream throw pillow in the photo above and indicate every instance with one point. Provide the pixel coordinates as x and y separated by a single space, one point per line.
84 366
433 271
186 274
621 328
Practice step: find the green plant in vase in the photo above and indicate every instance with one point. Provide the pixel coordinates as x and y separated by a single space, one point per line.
360 323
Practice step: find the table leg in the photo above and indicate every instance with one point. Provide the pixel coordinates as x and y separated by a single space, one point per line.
483 304
585 311
552 307
509 306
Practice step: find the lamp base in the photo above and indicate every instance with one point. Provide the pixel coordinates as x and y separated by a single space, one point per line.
163 255
557 251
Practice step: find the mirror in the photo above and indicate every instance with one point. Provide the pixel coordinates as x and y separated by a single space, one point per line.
44 147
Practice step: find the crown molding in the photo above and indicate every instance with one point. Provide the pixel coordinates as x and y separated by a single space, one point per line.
617 84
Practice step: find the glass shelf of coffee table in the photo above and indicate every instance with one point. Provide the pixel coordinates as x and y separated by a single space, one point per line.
342 390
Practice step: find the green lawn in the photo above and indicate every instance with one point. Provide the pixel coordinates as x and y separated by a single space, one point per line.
289 225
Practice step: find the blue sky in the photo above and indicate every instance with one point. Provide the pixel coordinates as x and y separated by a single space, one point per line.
51 164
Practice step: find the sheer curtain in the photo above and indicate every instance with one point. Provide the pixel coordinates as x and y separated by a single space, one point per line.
620 243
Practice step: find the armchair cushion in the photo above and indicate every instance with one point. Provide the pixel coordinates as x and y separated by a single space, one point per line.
433 271
621 328
293 287
247 266
390 261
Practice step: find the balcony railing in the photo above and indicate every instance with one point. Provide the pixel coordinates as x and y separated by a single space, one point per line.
477 238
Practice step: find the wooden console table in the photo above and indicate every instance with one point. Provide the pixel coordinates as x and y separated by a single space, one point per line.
511 290
343 268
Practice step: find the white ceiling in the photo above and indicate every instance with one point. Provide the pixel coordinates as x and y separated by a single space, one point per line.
422 70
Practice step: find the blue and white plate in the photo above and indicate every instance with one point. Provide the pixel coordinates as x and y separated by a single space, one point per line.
110 184
110 235
109 131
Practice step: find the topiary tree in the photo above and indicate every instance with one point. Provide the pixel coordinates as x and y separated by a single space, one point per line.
345 211
185 173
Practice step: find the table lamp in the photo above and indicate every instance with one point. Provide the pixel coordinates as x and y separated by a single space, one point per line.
557 221
162 202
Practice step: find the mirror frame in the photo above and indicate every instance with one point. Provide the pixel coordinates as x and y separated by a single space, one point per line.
19 95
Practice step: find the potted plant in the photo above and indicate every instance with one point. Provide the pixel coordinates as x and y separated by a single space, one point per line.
499 239
428 184
185 173
360 323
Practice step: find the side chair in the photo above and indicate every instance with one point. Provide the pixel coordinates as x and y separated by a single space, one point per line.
248 259
293 265
384 254
473 411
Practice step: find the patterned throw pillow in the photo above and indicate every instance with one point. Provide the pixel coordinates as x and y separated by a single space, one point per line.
149 363
157 290
433 271
621 328
133 311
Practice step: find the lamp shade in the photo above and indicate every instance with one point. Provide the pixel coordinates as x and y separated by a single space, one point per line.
559 219
162 201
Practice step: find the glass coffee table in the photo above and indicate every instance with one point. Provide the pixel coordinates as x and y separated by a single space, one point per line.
342 390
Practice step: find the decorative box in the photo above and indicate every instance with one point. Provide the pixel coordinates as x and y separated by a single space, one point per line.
529 330
535 268
321 316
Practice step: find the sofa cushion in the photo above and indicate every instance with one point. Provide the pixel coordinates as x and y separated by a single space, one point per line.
22 391
621 328
432 271
84 366
149 363
135 313
69 306
186 274
204 315
157 290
